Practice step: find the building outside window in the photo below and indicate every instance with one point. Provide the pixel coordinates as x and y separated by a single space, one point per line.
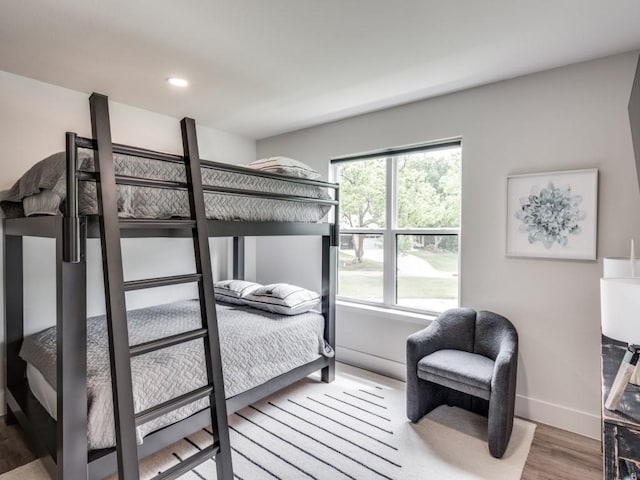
400 227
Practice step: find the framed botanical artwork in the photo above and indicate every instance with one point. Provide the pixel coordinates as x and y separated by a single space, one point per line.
553 215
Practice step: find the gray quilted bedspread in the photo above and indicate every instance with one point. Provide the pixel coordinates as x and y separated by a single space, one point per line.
143 202
255 347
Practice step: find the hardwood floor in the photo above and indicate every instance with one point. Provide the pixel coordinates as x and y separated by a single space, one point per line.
13 447
555 454
558 455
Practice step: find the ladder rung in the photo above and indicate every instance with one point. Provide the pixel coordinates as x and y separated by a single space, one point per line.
174 223
173 404
161 281
190 463
165 342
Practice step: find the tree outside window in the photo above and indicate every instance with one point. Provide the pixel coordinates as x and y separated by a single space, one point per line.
400 219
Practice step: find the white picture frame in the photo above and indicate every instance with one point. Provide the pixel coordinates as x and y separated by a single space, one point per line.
553 215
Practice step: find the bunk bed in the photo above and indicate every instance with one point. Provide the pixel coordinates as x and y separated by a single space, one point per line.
200 206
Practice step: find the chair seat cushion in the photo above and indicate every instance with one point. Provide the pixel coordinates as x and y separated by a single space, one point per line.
463 371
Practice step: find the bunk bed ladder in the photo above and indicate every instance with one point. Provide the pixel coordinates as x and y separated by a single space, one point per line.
120 351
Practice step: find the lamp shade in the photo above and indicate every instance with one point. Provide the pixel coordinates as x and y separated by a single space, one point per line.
620 304
618 267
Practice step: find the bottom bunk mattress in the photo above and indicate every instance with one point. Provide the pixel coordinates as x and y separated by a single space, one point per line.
255 346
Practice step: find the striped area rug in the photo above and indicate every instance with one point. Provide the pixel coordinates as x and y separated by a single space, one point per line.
355 429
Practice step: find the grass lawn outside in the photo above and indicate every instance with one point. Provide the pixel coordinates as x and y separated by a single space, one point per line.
426 287
364 280
363 287
369 287
347 265
443 261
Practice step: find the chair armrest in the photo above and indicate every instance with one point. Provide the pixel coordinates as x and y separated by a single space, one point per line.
503 395
424 342
452 329
505 368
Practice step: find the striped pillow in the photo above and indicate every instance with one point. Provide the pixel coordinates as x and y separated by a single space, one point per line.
282 298
233 291
285 166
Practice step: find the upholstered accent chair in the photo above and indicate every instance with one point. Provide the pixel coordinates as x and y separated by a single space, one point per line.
466 359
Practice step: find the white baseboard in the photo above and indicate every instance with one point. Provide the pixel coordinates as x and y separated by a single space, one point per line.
533 409
559 416
366 361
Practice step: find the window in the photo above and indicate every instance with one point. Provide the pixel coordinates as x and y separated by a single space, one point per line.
400 227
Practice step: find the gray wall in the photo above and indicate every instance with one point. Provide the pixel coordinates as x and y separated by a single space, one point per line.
33 119
569 118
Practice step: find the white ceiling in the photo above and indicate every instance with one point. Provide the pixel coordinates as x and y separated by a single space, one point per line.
263 67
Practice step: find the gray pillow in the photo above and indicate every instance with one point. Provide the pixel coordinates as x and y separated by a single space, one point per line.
233 291
282 298
285 166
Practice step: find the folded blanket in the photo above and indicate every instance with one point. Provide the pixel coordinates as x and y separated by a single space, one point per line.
46 175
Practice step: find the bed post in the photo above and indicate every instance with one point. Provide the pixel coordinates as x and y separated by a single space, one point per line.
71 240
330 245
238 258
329 302
71 332
14 320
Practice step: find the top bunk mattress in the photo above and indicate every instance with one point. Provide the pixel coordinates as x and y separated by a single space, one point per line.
42 190
255 347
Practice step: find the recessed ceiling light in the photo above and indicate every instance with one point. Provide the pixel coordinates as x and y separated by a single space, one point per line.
178 82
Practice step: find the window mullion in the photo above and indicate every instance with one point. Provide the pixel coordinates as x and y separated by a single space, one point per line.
389 278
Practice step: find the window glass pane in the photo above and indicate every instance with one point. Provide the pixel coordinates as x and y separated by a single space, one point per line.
429 189
427 267
361 266
362 193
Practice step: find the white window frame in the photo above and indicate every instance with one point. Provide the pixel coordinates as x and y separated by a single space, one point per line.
391 231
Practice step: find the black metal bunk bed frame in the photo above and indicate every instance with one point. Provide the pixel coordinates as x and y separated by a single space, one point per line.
62 444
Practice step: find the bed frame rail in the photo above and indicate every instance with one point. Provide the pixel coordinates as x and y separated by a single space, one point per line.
71 219
90 143
171 185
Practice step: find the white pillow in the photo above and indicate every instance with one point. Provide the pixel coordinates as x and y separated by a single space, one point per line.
233 291
282 298
285 166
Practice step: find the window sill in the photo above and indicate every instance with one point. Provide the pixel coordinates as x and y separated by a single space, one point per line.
387 313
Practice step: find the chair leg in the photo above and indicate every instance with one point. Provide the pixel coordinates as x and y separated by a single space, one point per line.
500 427
502 405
